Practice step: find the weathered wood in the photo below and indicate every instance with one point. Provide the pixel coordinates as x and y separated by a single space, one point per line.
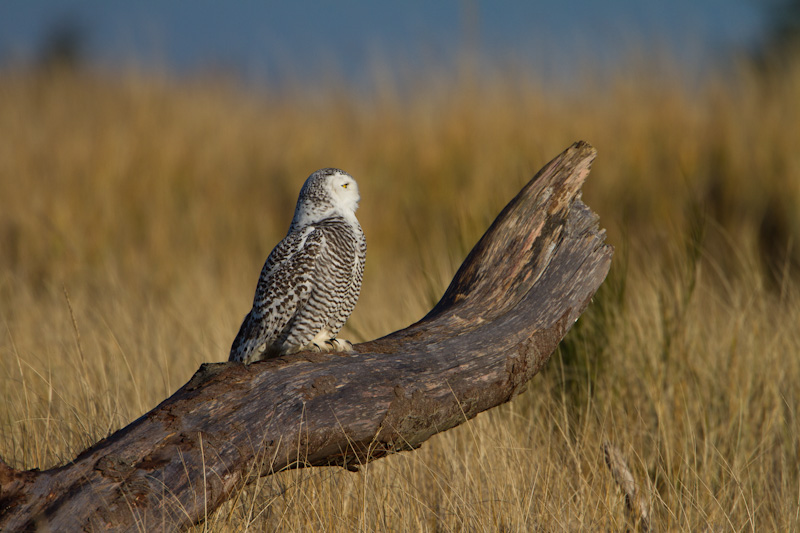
514 298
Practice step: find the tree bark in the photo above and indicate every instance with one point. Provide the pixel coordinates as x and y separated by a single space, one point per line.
517 293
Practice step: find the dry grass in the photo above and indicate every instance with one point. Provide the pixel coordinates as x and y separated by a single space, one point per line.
135 214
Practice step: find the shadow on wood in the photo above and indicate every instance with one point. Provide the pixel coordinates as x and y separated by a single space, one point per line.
517 293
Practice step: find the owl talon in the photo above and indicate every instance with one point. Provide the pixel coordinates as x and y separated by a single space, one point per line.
341 345
331 345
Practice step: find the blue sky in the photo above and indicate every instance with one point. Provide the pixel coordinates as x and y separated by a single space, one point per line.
264 39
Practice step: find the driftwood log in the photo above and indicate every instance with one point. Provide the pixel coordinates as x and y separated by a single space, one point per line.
517 293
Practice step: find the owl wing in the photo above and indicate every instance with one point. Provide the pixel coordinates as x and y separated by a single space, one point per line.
283 289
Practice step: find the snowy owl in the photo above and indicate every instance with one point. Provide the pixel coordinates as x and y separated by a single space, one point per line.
310 282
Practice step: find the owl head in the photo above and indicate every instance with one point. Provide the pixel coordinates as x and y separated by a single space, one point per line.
326 192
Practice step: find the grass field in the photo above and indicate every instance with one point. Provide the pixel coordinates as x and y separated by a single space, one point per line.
136 212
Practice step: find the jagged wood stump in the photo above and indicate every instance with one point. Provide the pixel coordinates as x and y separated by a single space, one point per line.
518 292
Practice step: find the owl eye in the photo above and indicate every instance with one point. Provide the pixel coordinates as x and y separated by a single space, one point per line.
344 185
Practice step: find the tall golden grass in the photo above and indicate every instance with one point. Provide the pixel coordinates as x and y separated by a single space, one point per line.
136 211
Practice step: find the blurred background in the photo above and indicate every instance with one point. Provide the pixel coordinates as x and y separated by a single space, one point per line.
270 41
151 154
701 84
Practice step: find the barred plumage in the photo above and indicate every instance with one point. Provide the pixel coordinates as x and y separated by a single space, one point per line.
311 280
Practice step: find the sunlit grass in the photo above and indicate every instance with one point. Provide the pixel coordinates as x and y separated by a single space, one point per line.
136 212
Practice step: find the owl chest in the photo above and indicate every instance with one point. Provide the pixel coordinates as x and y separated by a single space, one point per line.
344 251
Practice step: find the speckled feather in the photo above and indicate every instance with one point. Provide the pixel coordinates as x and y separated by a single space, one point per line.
311 280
